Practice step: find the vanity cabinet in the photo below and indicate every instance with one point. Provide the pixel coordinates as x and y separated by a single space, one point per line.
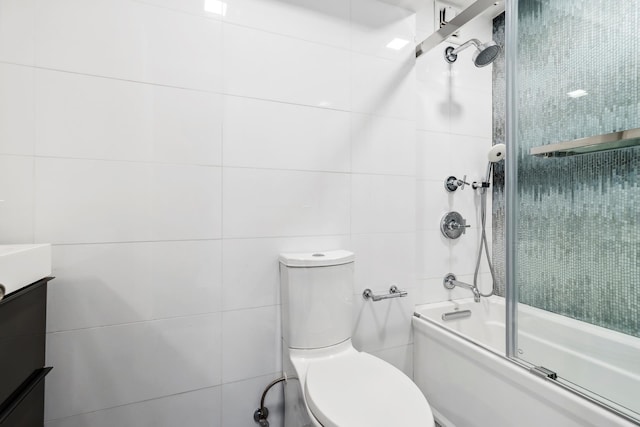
22 356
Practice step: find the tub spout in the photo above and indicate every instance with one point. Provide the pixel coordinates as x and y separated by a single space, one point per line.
451 282
476 294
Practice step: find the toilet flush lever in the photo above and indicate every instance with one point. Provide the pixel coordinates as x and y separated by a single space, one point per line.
394 292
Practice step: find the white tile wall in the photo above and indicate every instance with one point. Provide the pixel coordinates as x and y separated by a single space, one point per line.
325 22
129 40
200 408
17 112
400 357
275 135
239 403
382 203
269 66
111 284
269 203
453 138
251 343
383 145
100 368
102 118
17 31
376 24
171 149
251 277
16 193
383 87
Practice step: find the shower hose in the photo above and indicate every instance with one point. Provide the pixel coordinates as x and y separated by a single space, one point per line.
483 244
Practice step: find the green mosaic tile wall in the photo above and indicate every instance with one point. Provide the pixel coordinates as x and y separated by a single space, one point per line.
578 237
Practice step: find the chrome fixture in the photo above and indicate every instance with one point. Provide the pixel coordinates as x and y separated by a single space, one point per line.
496 154
262 413
453 225
543 372
394 292
450 282
485 54
452 183
474 10
592 144
453 315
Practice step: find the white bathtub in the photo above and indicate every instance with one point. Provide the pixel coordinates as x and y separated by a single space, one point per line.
460 366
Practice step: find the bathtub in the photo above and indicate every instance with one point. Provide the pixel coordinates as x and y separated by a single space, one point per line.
460 367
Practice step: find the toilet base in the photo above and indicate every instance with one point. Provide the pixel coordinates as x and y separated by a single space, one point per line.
296 412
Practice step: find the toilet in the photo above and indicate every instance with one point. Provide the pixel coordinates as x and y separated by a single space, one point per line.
330 383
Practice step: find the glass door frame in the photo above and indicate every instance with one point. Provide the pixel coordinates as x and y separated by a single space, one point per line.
511 213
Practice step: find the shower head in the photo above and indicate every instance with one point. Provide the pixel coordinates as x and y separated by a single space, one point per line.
497 153
486 52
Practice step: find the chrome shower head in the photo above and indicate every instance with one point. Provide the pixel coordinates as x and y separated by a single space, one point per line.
486 52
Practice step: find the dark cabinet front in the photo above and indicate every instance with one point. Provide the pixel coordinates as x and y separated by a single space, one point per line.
22 356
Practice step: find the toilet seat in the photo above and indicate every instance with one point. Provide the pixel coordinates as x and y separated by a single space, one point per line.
360 390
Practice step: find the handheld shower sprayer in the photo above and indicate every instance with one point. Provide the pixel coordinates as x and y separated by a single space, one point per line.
496 154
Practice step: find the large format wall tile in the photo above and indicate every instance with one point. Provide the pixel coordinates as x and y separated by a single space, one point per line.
16 193
322 22
238 410
251 275
383 260
110 366
275 135
82 201
383 204
200 408
129 40
17 109
375 25
383 145
17 31
383 87
268 203
100 118
268 66
247 333
109 284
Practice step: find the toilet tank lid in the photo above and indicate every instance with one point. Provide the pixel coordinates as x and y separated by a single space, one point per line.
317 259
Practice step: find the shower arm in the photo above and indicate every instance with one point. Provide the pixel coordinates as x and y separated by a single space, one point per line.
472 42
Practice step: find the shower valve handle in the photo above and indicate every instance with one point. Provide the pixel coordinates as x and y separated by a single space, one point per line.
453 225
452 183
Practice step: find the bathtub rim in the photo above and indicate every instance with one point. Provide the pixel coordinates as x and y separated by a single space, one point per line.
575 389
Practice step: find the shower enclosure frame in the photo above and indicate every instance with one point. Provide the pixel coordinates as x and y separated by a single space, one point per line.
511 210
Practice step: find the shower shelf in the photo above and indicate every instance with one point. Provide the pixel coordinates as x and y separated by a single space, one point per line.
592 144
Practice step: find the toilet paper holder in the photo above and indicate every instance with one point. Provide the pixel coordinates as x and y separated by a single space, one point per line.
394 292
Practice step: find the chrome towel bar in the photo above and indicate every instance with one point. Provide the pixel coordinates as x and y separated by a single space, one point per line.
394 292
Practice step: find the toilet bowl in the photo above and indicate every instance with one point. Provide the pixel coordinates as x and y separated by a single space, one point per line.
329 382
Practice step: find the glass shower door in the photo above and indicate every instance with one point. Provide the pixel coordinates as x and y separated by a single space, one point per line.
573 269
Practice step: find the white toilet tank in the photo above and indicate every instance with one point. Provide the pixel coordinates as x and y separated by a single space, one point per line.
316 292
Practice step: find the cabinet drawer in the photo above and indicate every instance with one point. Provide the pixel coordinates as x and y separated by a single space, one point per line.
25 407
22 336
